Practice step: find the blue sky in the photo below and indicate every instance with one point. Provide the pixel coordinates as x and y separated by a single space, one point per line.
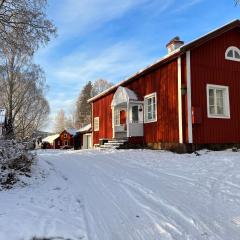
113 39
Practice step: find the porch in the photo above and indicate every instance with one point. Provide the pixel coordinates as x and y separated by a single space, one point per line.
127 114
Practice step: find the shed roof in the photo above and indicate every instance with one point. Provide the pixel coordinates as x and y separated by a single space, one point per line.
50 139
85 128
188 46
71 131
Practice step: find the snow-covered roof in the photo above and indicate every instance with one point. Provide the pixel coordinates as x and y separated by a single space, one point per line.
51 138
123 95
171 55
2 115
71 131
85 128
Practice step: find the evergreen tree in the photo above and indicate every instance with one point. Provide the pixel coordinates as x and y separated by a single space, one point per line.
83 110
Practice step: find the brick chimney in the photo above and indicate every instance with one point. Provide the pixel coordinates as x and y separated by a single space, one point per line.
174 44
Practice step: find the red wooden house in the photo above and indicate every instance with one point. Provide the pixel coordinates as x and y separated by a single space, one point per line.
66 138
187 99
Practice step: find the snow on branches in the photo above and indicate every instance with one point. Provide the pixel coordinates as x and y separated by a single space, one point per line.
15 161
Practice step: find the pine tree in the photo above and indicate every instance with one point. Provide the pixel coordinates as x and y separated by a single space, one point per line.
83 112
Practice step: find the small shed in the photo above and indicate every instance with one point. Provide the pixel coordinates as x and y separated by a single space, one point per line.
52 141
83 138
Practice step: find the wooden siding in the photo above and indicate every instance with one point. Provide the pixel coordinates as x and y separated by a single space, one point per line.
68 138
208 66
163 81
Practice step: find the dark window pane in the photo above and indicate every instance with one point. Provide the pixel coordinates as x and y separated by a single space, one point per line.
230 53
237 55
135 114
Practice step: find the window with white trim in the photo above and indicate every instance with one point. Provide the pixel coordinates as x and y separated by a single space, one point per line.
233 53
96 124
117 117
218 101
150 108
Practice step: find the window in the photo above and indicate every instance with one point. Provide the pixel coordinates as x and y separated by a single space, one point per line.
150 107
218 101
233 53
65 135
135 114
96 123
65 143
117 117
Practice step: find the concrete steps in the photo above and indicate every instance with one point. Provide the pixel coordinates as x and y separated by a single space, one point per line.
114 144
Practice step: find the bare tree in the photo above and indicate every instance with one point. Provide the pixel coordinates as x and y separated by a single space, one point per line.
237 2
60 119
22 93
99 86
24 25
23 28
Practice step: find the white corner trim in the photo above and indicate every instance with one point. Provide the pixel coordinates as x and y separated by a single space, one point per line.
180 129
92 137
189 97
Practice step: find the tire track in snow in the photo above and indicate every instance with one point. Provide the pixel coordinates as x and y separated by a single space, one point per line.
169 213
73 200
134 189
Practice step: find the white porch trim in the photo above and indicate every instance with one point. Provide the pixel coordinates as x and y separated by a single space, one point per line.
180 129
189 97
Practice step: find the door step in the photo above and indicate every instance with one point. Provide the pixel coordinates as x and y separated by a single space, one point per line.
114 144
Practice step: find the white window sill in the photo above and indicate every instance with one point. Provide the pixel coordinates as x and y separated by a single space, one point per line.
232 59
219 116
150 121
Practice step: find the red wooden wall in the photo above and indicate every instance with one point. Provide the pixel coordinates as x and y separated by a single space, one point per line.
208 66
163 81
69 138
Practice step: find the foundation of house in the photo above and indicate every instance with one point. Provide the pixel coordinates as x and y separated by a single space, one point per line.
190 148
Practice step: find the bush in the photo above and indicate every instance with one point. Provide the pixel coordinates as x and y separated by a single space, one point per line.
15 161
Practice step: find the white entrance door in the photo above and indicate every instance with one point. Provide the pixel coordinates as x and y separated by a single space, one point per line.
87 141
135 120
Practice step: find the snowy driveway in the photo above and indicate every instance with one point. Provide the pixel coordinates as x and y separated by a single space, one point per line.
127 195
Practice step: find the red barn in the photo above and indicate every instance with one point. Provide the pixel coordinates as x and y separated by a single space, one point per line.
187 99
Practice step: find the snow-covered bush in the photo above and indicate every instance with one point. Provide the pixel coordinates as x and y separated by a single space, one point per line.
15 161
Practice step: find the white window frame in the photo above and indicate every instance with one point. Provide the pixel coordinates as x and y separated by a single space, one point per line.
96 124
234 49
65 142
65 135
146 120
226 105
117 117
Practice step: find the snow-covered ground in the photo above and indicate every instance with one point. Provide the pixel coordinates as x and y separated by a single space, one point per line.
126 195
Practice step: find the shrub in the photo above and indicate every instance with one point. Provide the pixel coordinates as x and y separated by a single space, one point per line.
15 161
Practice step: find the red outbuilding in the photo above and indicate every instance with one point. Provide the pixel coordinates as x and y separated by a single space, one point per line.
66 138
187 99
